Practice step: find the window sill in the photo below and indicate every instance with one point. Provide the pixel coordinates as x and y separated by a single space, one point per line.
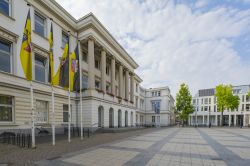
9 17
40 35
8 124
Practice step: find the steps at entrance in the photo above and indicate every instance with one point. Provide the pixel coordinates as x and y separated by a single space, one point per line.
118 130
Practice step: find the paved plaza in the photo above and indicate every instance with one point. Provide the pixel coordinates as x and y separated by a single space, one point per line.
169 146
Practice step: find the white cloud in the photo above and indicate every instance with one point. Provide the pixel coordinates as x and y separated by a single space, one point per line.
172 43
201 3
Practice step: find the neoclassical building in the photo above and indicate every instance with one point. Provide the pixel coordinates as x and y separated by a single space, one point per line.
206 110
108 71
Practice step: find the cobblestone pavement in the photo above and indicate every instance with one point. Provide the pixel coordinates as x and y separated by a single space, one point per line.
13 155
168 147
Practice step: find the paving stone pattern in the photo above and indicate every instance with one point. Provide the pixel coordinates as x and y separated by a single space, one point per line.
168 147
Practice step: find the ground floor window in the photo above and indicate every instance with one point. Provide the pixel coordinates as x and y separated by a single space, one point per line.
153 119
66 112
41 111
6 108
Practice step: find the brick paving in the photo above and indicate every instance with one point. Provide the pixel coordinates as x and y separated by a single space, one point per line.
168 147
13 155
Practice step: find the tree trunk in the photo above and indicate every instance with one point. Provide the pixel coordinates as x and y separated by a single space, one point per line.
221 119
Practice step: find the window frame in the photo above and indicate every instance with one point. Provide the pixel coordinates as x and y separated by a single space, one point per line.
45 24
10 54
46 67
67 112
10 8
13 109
47 109
64 34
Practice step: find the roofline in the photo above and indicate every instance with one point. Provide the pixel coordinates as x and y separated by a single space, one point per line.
135 65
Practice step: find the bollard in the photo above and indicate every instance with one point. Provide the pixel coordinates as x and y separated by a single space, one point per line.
88 133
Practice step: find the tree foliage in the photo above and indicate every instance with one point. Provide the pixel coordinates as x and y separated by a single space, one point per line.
184 102
225 99
248 94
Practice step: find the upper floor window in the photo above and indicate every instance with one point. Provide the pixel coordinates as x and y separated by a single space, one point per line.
6 108
5 7
108 87
5 56
136 88
108 70
84 82
159 93
85 57
156 106
194 101
41 111
97 64
97 84
40 25
40 68
65 39
243 97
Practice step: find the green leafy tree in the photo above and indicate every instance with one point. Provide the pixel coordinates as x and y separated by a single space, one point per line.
248 94
225 99
184 103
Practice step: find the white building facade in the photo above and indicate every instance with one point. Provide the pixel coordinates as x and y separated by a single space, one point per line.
206 110
110 85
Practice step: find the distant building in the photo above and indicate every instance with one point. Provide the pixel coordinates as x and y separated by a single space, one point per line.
206 109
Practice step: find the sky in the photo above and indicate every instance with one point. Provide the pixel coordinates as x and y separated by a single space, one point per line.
201 43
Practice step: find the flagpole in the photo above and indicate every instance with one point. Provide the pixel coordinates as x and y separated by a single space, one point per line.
32 116
69 113
33 144
52 89
80 66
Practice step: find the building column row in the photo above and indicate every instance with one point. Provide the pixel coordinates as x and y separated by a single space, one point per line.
123 87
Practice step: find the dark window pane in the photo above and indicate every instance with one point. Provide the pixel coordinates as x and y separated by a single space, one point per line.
40 74
4 46
39 29
5 113
4 7
4 62
65 117
6 100
39 25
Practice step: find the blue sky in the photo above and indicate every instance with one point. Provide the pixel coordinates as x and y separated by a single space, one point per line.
202 43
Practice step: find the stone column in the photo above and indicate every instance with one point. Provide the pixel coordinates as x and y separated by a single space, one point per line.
208 119
203 119
91 64
132 88
113 76
103 69
120 80
126 84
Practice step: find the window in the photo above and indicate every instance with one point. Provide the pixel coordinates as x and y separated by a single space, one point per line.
194 101
65 39
242 108
209 100
159 93
66 112
201 101
40 24
116 90
97 64
247 107
5 6
205 108
136 102
215 108
156 106
206 101
6 108
108 87
85 57
40 68
5 56
152 93
136 88
243 98
201 108
247 98
84 82
41 111
153 119
97 84
107 70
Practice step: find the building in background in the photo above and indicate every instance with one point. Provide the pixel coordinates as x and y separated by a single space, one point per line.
112 96
206 108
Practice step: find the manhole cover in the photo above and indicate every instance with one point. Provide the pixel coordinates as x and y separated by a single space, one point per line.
53 158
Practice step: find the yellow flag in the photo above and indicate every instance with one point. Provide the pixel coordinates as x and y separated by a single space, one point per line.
59 78
51 56
25 53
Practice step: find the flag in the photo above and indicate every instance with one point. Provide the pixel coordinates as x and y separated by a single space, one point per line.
62 76
74 70
51 56
25 53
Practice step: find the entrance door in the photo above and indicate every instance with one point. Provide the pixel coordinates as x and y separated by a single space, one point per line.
111 118
119 118
100 116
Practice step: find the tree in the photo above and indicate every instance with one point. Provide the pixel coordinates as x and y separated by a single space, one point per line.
184 103
225 99
248 94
